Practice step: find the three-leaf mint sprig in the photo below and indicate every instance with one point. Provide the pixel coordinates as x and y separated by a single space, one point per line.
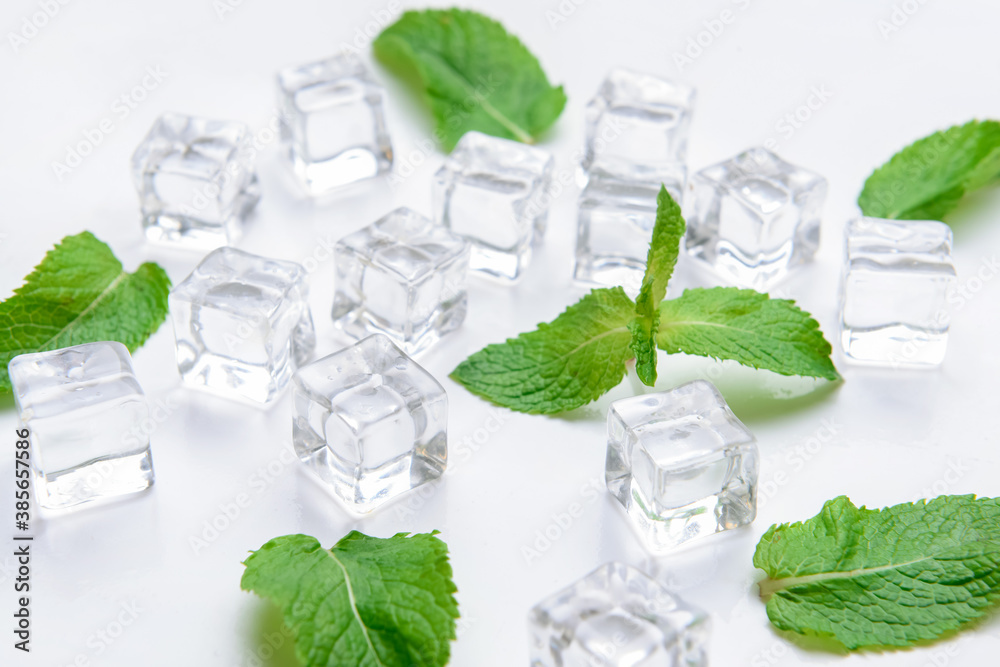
582 354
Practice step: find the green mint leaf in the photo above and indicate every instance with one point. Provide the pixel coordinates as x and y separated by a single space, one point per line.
888 577
660 262
366 602
927 179
474 74
560 366
748 327
80 294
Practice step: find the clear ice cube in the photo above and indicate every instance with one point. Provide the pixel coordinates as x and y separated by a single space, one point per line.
617 616
370 423
242 324
403 276
332 123
88 421
894 307
681 464
754 218
496 194
196 181
637 129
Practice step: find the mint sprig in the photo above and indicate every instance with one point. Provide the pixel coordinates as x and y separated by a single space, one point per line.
366 601
81 294
473 73
891 577
929 178
582 354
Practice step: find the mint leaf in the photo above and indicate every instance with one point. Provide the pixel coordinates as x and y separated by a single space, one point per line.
80 294
660 262
890 577
474 74
367 602
927 179
748 327
560 366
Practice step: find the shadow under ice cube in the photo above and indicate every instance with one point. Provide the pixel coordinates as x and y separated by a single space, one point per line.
370 423
617 616
88 421
681 464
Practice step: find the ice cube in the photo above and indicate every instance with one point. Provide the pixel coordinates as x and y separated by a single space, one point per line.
637 129
495 193
332 122
88 421
894 307
681 464
617 617
754 218
403 276
242 324
370 423
196 181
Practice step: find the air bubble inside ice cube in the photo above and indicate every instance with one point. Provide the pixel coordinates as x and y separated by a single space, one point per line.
617 617
370 423
681 464
88 421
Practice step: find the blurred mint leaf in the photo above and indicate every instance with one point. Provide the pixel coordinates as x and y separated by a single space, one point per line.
367 602
80 294
473 73
891 577
927 179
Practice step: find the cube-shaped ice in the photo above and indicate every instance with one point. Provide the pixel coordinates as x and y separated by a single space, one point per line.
403 276
614 229
754 218
196 181
637 128
681 464
370 423
332 123
88 422
242 324
894 307
617 617
495 193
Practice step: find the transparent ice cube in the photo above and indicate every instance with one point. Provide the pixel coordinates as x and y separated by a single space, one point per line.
495 193
332 123
894 293
614 229
242 324
403 276
755 217
637 129
196 181
681 464
617 617
370 423
88 421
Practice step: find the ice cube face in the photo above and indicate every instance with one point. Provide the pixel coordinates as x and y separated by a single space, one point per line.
681 464
637 129
370 423
617 617
403 276
242 324
332 123
614 230
496 194
88 421
196 181
894 292
754 218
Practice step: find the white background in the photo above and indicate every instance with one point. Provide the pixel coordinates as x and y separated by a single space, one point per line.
899 435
